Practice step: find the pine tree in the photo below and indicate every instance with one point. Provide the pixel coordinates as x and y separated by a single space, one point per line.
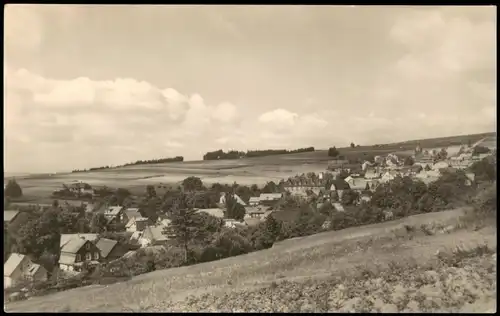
186 227
13 189
234 210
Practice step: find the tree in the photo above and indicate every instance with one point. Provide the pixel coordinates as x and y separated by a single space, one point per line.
352 145
349 197
484 170
192 184
480 150
185 227
150 191
98 223
270 187
409 161
13 189
333 152
234 209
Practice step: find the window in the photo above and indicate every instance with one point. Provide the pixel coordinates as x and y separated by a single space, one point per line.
78 258
87 246
96 256
88 256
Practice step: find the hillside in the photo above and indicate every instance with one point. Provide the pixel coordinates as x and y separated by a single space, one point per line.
370 268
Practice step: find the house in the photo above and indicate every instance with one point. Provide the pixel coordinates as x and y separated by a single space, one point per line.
254 201
471 177
110 249
372 174
216 212
255 212
9 217
154 236
132 212
440 165
115 215
270 198
252 221
389 176
222 200
19 268
76 252
65 238
339 186
137 224
356 184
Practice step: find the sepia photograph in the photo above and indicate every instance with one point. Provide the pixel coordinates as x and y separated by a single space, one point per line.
250 158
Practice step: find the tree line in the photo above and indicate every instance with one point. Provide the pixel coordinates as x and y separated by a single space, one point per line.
138 162
233 154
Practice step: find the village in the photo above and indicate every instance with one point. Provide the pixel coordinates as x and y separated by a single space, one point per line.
79 250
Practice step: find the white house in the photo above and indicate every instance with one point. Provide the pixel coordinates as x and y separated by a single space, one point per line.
19 268
254 201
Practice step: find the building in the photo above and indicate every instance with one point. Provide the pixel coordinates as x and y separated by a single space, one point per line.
222 200
440 165
357 184
471 177
338 186
372 174
215 212
270 198
115 215
254 201
76 252
19 268
110 249
389 176
154 236
9 216
255 212
132 212
137 224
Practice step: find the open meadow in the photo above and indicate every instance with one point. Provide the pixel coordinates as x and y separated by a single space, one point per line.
428 262
246 171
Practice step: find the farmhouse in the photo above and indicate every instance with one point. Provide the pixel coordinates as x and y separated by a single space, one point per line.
19 268
132 212
215 212
356 184
137 224
76 252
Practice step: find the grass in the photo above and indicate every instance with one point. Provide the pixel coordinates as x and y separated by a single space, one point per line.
315 264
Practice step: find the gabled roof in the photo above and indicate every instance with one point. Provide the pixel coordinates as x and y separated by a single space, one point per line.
216 212
340 185
255 210
12 263
34 269
9 215
133 212
156 233
358 184
105 246
65 238
112 211
74 245
236 197
254 199
270 196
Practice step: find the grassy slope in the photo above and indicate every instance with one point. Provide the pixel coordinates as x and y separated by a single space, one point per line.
322 256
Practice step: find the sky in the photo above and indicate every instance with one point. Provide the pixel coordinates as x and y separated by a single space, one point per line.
87 86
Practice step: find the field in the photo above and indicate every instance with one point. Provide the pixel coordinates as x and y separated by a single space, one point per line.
245 171
407 265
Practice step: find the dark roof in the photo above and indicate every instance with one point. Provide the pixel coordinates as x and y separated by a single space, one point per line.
341 184
105 246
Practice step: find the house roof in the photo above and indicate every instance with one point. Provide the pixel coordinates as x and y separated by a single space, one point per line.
67 258
471 176
113 211
133 220
34 269
12 263
156 233
105 246
216 212
133 212
358 184
338 207
254 199
9 215
74 245
252 221
255 210
65 238
236 197
270 196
